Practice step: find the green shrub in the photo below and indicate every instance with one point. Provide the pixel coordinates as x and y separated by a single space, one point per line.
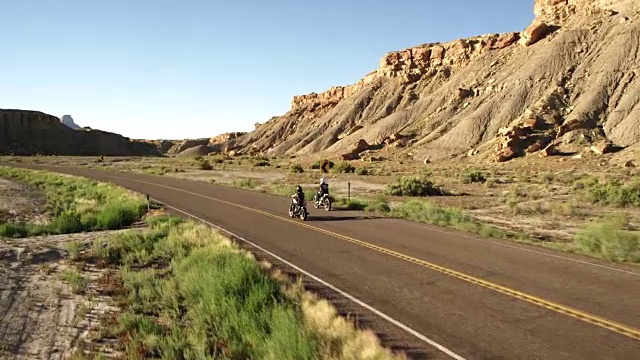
609 240
247 183
318 163
296 169
209 294
474 176
379 205
261 163
363 171
344 167
14 230
613 193
415 187
205 165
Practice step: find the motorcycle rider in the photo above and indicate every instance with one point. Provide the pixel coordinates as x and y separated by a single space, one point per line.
297 199
322 189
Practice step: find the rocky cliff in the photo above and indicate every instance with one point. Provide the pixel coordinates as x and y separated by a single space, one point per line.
30 132
68 120
566 81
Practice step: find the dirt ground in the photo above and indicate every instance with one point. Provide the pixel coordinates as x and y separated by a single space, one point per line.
41 316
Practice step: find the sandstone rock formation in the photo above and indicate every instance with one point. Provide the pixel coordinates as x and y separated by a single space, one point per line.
68 120
183 145
25 132
575 81
199 150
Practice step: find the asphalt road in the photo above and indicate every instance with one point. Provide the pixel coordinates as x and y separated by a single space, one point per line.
465 297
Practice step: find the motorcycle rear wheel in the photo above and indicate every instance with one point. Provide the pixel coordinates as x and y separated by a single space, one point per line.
327 204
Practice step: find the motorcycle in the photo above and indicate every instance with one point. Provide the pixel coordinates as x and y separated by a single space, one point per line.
324 200
298 211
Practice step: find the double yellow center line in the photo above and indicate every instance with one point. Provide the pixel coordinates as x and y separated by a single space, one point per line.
559 308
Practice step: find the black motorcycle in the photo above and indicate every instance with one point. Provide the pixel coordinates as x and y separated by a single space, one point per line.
298 210
324 200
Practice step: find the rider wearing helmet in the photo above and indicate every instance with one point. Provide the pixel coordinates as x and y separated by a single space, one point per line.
298 197
323 189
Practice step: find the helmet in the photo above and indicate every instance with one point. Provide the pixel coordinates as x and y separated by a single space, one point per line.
298 188
321 181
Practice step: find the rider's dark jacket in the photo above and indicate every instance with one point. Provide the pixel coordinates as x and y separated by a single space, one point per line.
324 189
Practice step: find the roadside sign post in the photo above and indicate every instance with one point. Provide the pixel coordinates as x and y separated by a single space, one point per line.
349 191
148 203
325 166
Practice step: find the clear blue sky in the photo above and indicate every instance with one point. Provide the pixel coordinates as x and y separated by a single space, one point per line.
196 68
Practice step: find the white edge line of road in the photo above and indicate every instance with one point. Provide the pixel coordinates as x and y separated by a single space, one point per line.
346 295
583 262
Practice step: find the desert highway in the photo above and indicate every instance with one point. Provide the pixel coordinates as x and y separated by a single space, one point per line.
436 293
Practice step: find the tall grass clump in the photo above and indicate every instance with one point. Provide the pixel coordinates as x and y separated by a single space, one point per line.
74 204
217 301
414 187
609 239
190 293
430 213
379 205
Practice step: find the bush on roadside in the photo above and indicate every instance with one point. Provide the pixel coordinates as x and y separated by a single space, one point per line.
611 241
414 187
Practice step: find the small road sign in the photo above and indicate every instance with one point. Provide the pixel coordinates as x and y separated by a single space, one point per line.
325 166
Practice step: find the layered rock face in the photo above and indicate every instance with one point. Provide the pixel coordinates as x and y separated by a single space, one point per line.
410 65
557 11
30 132
569 78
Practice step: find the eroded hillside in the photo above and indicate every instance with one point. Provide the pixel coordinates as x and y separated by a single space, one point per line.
567 82
31 132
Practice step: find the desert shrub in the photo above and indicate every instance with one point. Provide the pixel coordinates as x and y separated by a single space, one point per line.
415 187
205 165
318 163
379 205
474 176
261 163
610 240
247 183
363 171
344 167
613 193
296 169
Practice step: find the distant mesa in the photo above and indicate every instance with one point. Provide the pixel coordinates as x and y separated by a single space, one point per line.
68 120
